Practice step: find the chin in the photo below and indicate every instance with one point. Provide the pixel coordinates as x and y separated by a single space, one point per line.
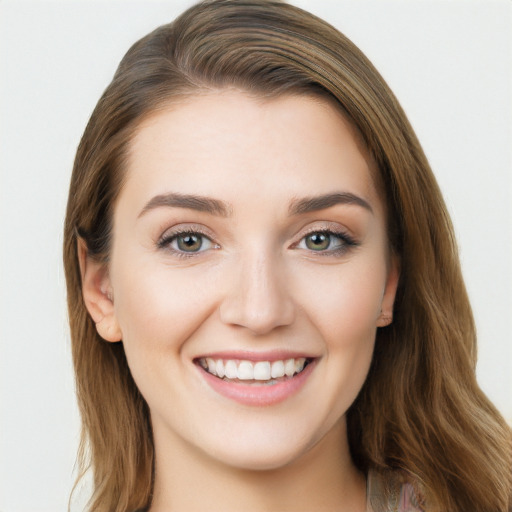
260 460
265 449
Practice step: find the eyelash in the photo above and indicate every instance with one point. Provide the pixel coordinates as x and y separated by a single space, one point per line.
167 239
347 241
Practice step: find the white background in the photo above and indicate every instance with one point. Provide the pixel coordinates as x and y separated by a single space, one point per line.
449 63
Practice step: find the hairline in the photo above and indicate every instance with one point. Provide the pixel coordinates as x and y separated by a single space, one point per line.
186 95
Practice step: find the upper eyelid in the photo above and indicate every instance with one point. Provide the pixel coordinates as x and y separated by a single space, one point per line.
331 230
325 227
318 227
183 229
165 243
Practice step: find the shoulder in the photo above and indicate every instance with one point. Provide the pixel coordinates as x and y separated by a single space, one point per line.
392 493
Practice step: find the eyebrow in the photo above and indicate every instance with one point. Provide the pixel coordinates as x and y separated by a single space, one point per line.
223 209
312 204
190 202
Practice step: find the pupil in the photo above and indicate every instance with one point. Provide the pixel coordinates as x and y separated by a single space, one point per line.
317 241
189 243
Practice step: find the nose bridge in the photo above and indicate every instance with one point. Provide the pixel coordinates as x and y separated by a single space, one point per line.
258 297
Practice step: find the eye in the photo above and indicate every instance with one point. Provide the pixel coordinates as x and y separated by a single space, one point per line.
326 241
186 242
318 241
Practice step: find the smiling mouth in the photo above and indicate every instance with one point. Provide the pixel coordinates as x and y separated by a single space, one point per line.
255 373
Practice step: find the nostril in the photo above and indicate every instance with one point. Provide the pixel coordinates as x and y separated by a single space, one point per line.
256 296
258 317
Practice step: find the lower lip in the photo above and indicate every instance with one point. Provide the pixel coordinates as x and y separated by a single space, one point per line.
259 395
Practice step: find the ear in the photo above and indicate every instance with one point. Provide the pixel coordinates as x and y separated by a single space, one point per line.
388 300
97 294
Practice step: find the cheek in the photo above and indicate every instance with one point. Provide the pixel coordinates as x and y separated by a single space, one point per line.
344 311
345 304
159 307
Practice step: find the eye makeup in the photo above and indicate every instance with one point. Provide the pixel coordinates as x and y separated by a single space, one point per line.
192 240
326 241
186 241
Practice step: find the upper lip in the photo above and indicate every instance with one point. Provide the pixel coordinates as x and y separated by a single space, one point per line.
249 355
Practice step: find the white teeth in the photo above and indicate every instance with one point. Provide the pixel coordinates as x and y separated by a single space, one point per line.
262 370
277 369
246 370
289 367
219 368
231 369
211 365
299 364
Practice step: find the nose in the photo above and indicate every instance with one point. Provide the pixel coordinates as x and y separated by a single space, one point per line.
257 296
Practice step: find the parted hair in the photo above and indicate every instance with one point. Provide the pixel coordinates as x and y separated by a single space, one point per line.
420 413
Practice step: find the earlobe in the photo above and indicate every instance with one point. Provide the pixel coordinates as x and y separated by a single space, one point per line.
386 314
98 295
384 319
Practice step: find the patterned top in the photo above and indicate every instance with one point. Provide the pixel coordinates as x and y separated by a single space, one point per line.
385 496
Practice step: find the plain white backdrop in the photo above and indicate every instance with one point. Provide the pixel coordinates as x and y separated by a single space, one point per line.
450 64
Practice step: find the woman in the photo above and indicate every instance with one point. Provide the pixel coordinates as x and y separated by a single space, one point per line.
265 299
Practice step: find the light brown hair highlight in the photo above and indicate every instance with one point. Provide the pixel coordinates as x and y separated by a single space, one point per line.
420 413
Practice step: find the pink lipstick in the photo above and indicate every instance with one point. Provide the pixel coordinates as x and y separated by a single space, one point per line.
257 379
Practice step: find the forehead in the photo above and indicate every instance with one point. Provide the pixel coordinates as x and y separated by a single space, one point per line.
229 143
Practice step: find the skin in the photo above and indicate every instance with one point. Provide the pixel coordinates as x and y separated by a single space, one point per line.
257 286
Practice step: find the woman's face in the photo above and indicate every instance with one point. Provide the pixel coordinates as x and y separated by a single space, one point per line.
249 243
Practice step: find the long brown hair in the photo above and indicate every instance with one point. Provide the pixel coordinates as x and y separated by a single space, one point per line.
420 412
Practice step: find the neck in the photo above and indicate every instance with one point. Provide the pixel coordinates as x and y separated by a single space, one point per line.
323 479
